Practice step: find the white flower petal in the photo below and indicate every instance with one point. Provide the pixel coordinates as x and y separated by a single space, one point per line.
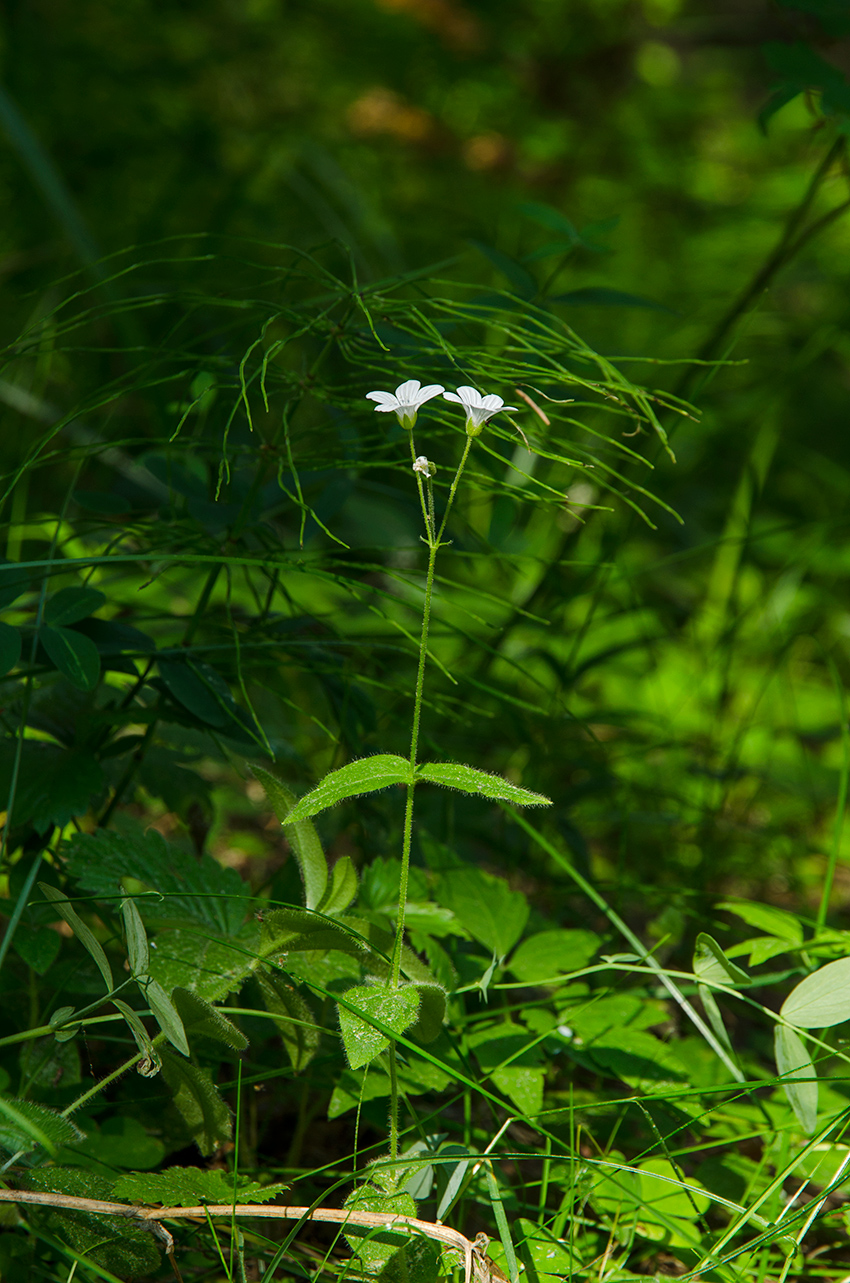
450 396
433 389
388 401
469 396
492 402
408 393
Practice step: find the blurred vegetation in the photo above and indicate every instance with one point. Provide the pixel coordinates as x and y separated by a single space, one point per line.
225 223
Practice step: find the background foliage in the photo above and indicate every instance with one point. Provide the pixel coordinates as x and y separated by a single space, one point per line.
225 223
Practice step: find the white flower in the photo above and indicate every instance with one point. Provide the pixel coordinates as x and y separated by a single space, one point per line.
425 466
408 398
478 408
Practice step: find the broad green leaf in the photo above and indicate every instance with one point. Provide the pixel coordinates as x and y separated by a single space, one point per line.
23 1125
367 775
663 1197
432 1012
549 1255
10 648
164 1013
46 1065
191 891
822 999
293 1018
794 1061
205 1114
341 889
294 930
521 1078
302 837
121 1142
138 953
55 785
205 965
773 921
69 605
638 1059
109 1243
397 1009
373 1248
202 1020
417 1262
38 947
550 954
207 699
466 779
73 654
183 1186
491 912
80 930
712 966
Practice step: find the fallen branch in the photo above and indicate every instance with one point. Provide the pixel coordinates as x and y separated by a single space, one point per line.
478 1268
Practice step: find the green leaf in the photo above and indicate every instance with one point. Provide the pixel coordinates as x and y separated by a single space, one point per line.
69 605
553 953
367 775
108 1242
715 1017
10 648
63 907
397 1009
522 1078
191 891
302 837
23 1125
432 1012
661 1199
13 582
184 1186
39 948
341 889
375 1248
417 1262
151 1064
552 218
468 780
294 1020
822 999
55 785
138 952
491 912
73 654
296 930
776 922
711 966
164 1013
520 278
47 1065
121 1142
205 1114
201 1019
205 964
793 1060
600 296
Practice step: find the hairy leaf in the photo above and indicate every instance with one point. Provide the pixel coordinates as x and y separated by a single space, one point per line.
397 1009
201 1019
114 1244
187 1185
302 837
205 1114
367 775
293 1019
23 1125
466 779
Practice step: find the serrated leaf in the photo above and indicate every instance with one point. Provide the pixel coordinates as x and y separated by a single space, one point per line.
24 1125
341 889
466 779
74 655
206 965
69 605
55 784
711 966
550 954
397 1009
138 953
117 1245
293 1019
201 1019
368 775
164 1013
822 999
80 930
793 1060
187 1185
205 1114
191 891
10 648
491 912
302 837
373 1248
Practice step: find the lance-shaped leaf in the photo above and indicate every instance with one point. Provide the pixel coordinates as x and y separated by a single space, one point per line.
205 1114
138 953
80 930
793 1061
296 930
302 837
164 1013
294 1020
23 1125
368 775
452 775
341 889
201 1019
711 966
395 1009
151 1064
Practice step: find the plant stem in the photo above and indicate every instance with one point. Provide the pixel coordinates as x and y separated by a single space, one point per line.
393 1104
